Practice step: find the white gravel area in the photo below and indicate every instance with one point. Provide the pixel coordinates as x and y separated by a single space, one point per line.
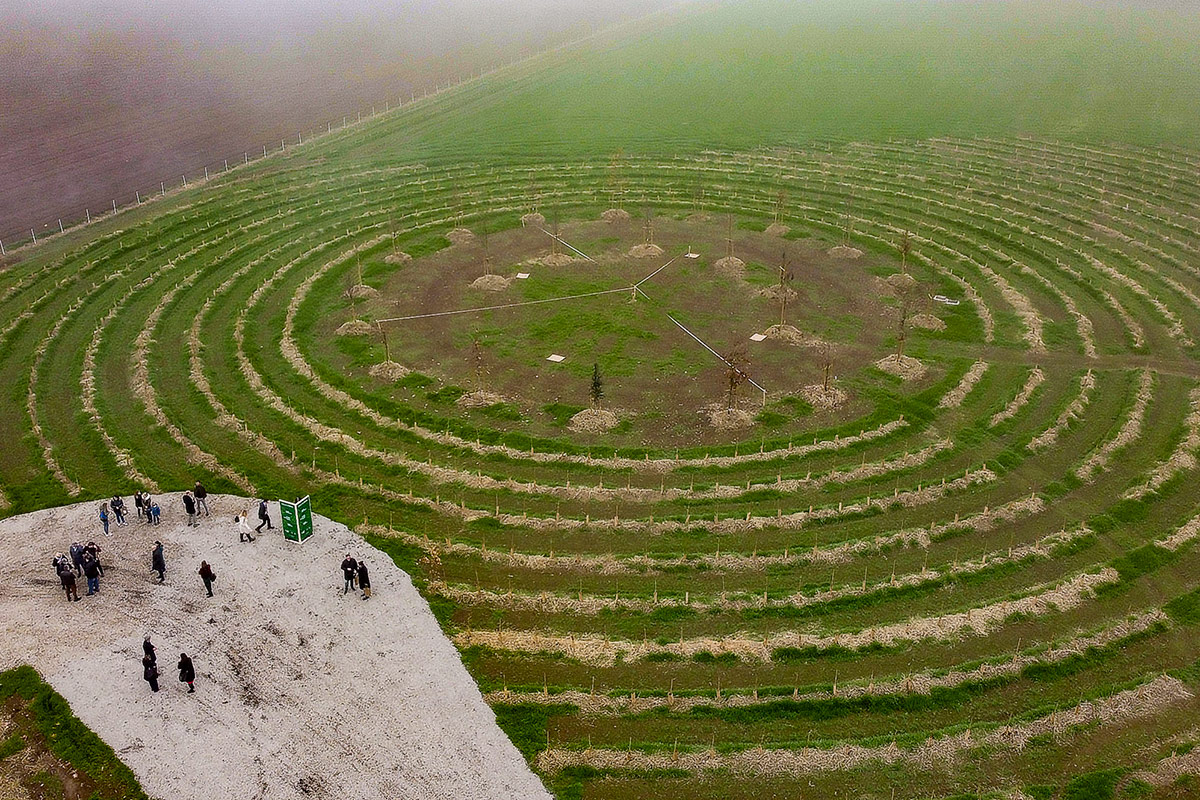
301 691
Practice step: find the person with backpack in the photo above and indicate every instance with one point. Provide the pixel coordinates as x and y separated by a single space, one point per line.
364 580
189 505
349 572
118 509
158 562
104 517
187 672
201 495
208 576
150 673
263 517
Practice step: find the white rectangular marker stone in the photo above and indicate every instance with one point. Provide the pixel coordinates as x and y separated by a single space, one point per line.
691 255
758 337
522 275
556 358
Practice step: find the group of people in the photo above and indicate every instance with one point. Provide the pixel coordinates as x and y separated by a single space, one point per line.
356 576
80 560
187 670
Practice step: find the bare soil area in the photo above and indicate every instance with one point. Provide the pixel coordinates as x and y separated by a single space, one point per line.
301 690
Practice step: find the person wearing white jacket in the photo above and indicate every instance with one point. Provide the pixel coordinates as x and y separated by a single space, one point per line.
245 534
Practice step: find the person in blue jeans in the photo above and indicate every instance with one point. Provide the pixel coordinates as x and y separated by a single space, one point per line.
91 571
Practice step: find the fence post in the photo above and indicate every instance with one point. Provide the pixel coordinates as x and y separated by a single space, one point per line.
2 251
206 173
33 233
114 205
162 188
60 227
88 211
138 195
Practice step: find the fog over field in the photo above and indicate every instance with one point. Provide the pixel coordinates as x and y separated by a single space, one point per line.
102 99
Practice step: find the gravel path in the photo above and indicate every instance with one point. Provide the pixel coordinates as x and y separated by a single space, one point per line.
300 690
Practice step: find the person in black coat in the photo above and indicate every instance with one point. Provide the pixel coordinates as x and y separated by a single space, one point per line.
349 572
201 495
263 517
187 672
150 673
158 562
148 650
91 571
189 506
208 576
364 580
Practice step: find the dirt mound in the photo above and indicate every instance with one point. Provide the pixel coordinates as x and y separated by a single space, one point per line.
398 257
905 368
615 215
593 420
731 266
556 260
388 371
533 218
355 327
479 399
491 283
777 229
728 419
645 251
460 236
776 292
360 290
844 251
793 335
824 399
900 281
927 322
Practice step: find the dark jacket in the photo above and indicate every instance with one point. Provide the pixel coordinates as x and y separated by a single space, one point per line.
189 505
149 671
158 562
187 672
206 572
148 649
262 510
364 580
200 491
91 568
137 500
76 552
349 568
67 577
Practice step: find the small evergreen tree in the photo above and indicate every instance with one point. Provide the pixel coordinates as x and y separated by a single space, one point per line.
597 391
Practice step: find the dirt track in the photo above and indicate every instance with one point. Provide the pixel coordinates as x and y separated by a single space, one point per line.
300 691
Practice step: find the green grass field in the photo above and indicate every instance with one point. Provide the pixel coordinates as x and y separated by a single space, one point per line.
976 582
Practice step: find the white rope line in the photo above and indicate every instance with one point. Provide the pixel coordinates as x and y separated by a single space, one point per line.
718 355
559 239
505 305
652 274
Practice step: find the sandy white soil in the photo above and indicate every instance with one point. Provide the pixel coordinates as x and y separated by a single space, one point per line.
301 691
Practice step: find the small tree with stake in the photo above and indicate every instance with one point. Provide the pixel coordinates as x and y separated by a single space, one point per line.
736 363
597 390
905 249
785 277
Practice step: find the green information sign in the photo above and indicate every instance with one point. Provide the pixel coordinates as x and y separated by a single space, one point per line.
297 519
